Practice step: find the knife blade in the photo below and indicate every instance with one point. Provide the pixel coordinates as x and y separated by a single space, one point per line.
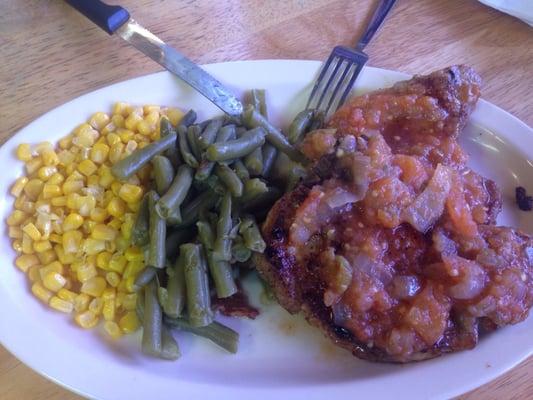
115 19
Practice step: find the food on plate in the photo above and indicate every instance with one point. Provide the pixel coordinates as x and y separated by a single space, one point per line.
523 201
389 245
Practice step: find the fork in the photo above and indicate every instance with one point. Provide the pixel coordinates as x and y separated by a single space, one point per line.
331 81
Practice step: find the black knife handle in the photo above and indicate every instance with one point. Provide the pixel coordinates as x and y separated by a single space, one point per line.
107 17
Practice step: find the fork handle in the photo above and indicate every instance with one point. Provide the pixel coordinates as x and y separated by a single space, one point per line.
107 17
377 19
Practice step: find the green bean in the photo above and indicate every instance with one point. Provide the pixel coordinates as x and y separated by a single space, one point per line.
253 188
253 119
192 210
222 248
188 119
230 179
300 125
239 252
139 231
227 132
174 218
145 277
251 235
162 295
158 232
206 167
175 290
185 150
254 161
317 121
222 275
176 193
165 126
169 346
210 132
193 133
163 173
152 324
197 285
175 239
139 305
128 166
241 170
239 131
206 235
219 334
172 154
259 101
240 147
269 157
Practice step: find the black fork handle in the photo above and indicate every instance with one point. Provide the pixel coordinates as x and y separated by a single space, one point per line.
379 16
107 17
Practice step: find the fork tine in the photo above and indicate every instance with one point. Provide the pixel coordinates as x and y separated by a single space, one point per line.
356 73
332 78
337 87
318 82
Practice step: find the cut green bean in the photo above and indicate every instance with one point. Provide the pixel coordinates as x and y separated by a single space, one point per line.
128 166
139 231
253 188
139 306
240 147
254 162
196 284
318 121
188 119
174 218
251 235
230 179
253 119
206 167
165 129
222 275
300 125
219 334
206 235
210 132
222 248
165 126
158 232
193 136
176 193
227 132
175 290
239 252
163 173
269 157
162 295
184 147
259 101
152 324
145 277
192 210
241 170
169 346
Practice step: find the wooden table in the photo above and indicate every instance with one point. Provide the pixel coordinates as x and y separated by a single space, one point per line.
49 54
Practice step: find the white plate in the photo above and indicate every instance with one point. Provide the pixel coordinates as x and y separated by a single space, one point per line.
279 355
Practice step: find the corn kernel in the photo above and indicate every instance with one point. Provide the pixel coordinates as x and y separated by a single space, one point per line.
33 274
134 253
50 191
94 286
86 319
25 261
86 204
108 309
116 207
42 147
112 278
112 329
16 218
103 232
118 121
54 266
17 245
56 179
27 244
130 193
115 153
72 222
46 172
85 271
102 260
54 281
117 263
42 245
143 145
144 128
75 176
60 201
93 181
81 302
72 241
99 153
174 115
67 295
125 135
129 301
121 244
113 139
33 165
99 120
111 127
14 232
33 188
121 108
131 146
98 214
61 305
64 258
132 120
55 238
106 177
109 293
18 186
129 322
87 167
93 246
72 186
41 293
50 157
24 152
47 257
132 269
115 223
96 305
31 230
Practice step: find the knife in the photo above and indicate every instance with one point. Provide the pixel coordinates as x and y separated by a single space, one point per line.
116 20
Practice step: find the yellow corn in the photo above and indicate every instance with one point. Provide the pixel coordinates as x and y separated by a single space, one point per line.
113 139
99 120
33 165
174 115
67 295
72 241
33 274
129 301
56 179
50 157
47 257
24 152
144 128
98 214
25 261
27 244
72 222
41 293
42 245
116 207
117 120
96 305
132 120
61 305
106 176
102 260
14 232
115 152
72 186
33 188
94 286
85 271
16 218
86 319
81 302
103 232
54 281
31 230
93 246
54 266
130 193
17 245
129 322
46 172
125 135
99 153
87 167
121 108
112 329
86 204
117 263
108 309
112 278
134 254
60 201
50 191
18 186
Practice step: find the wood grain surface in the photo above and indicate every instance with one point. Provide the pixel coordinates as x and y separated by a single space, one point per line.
50 54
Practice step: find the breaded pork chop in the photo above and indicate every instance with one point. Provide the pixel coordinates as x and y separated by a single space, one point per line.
389 245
